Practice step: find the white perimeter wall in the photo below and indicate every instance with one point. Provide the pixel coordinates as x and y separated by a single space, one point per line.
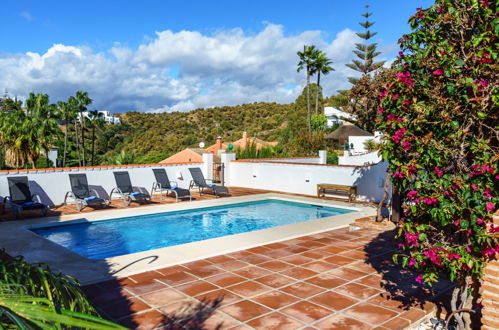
52 184
303 179
371 158
304 160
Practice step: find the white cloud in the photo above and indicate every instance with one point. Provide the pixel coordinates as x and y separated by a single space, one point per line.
179 71
27 16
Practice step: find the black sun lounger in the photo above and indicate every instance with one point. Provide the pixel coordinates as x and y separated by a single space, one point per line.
198 181
81 195
125 190
20 198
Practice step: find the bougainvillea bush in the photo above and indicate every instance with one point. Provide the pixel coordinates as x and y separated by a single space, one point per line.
439 117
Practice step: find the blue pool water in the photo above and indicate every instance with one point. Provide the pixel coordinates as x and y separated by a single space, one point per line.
109 238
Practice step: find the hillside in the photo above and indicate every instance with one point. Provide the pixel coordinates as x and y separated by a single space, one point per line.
154 136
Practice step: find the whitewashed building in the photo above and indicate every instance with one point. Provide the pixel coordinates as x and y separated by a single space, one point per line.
108 117
335 116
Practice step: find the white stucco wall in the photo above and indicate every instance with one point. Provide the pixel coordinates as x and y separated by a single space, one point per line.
362 159
304 160
52 184
303 178
358 142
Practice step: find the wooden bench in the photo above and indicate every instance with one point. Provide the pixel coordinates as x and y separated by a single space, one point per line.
324 189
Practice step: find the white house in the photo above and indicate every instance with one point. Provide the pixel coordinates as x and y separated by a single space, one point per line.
108 117
335 116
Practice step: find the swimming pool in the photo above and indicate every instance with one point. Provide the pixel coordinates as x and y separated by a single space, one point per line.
115 237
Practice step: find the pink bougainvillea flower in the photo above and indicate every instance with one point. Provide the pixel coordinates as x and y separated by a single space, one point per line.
419 279
468 249
412 239
412 194
381 110
406 145
438 171
479 221
400 245
395 96
390 117
490 251
399 135
430 201
454 256
412 262
474 186
404 78
406 102
438 72
493 229
401 54
487 193
411 169
400 174
490 207
383 94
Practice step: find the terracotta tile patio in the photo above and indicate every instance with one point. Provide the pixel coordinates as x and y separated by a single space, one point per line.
332 280
118 204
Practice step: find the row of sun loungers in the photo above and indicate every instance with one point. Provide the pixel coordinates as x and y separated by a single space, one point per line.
81 195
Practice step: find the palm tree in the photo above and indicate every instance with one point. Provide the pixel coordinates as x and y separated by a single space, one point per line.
73 105
68 113
25 133
95 120
43 120
83 101
307 59
322 65
13 140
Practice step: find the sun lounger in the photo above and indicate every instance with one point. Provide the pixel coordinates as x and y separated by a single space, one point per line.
198 181
20 198
125 190
162 184
81 195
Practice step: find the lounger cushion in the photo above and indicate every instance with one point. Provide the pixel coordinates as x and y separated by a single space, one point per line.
139 195
95 201
33 206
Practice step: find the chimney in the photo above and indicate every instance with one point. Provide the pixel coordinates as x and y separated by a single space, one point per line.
219 143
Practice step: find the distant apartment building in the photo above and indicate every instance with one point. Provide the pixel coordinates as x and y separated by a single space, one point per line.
108 117
335 116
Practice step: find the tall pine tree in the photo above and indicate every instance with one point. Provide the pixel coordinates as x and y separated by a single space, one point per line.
366 52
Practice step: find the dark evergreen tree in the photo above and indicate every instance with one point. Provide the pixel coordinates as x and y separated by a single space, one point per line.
366 52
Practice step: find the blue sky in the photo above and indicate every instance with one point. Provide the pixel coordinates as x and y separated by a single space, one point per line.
130 35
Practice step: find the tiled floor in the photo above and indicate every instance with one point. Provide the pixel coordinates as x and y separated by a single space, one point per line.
333 280
118 204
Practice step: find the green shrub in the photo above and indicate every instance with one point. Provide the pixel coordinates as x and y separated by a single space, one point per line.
332 158
34 297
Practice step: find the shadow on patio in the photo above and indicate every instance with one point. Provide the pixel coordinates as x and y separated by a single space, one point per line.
399 283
